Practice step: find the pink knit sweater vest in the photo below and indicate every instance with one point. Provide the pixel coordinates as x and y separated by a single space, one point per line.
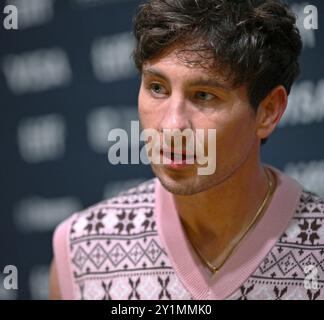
133 247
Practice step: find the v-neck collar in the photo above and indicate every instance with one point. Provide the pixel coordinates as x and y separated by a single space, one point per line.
247 256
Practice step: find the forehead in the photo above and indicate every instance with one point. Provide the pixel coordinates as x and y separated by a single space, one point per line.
187 64
194 68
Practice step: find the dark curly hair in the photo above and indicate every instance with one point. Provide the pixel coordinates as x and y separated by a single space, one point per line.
255 41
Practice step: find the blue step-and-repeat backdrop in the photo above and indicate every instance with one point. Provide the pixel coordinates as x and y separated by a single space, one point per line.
67 79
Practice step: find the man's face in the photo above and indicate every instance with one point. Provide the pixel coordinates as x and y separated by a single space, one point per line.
174 95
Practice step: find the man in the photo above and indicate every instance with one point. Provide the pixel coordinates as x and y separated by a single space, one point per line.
244 231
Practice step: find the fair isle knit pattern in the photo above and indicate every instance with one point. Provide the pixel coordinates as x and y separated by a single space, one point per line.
294 268
116 253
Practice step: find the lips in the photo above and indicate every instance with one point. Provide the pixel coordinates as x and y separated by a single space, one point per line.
178 157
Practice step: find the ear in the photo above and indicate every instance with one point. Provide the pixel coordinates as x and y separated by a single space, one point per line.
270 111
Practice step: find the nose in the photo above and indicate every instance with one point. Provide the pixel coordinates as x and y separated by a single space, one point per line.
174 121
175 115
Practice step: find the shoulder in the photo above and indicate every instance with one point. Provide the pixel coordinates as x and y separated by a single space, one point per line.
293 269
311 203
307 225
127 212
82 242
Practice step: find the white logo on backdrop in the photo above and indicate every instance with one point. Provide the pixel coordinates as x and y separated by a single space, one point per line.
309 174
103 119
305 104
113 188
38 70
40 214
88 3
42 138
33 12
111 57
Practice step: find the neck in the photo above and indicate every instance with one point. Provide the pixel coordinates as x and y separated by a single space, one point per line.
216 218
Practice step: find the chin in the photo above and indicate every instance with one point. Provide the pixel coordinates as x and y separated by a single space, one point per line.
183 183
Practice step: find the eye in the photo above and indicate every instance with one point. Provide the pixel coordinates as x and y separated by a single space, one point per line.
205 96
157 89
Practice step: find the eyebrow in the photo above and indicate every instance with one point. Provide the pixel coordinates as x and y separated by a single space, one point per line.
205 82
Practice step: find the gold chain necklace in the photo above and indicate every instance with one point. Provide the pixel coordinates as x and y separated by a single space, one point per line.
213 268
